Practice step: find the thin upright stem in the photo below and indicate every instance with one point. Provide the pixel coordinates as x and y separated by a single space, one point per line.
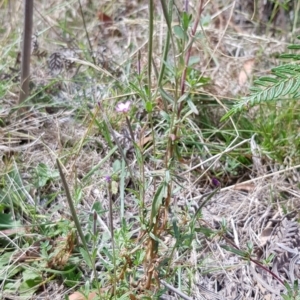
26 50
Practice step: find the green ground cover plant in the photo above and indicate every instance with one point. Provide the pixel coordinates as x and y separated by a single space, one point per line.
156 155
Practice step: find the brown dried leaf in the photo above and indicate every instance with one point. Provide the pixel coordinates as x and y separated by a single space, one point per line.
265 236
80 296
144 140
104 18
13 231
246 71
244 187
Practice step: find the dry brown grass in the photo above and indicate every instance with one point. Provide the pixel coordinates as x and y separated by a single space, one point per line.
231 55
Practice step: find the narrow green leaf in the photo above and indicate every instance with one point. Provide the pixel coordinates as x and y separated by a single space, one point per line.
86 257
296 96
157 201
77 195
264 96
255 99
60 272
183 97
261 83
255 89
192 106
290 56
279 74
175 228
206 198
289 71
185 20
272 91
296 285
155 238
294 47
166 96
295 86
291 67
268 79
279 89
73 213
288 87
228 114
167 11
235 251
205 230
122 189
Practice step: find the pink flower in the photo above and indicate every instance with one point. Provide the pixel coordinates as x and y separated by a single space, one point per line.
107 178
123 107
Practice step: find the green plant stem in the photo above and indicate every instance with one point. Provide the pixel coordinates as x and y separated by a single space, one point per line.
111 225
168 17
188 55
71 205
142 172
117 142
150 45
87 33
75 218
130 129
255 261
296 15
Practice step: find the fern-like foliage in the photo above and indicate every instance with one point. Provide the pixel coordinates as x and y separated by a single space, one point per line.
285 80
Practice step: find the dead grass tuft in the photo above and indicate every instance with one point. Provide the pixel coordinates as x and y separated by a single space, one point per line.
62 122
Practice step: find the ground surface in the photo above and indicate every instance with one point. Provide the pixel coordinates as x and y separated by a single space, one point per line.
234 199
